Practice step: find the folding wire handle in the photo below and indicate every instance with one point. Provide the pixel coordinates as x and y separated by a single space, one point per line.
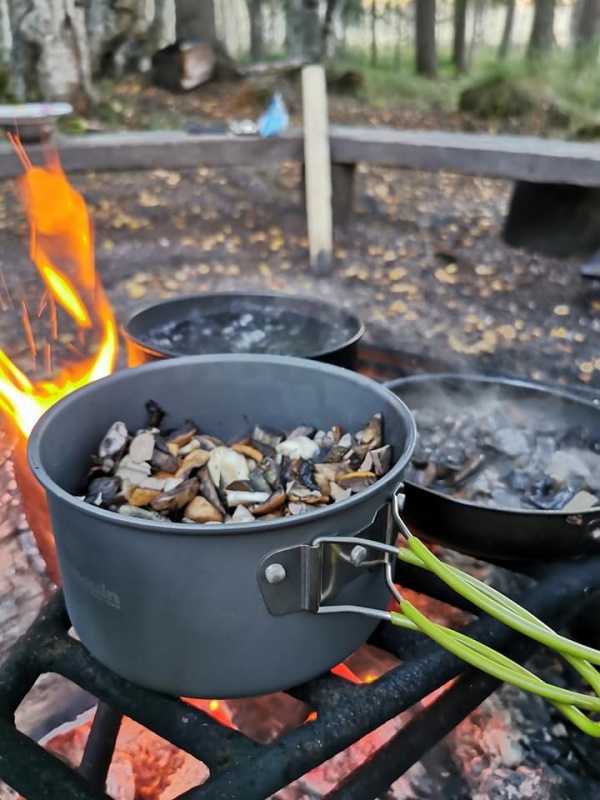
305 577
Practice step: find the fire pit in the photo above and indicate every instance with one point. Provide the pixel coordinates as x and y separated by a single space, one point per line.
229 322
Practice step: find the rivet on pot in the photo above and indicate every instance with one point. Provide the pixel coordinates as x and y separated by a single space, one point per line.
358 554
275 573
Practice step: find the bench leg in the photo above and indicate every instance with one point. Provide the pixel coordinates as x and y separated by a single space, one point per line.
342 190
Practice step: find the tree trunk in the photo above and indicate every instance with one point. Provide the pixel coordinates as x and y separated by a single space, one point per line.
425 38
195 20
373 33
50 56
541 40
586 30
255 17
162 28
311 30
293 28
331 23
509 21
116 35
399 14
459 51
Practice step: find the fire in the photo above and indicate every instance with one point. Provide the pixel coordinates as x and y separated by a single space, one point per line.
62 249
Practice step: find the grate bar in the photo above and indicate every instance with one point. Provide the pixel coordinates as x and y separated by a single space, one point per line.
241 769
360 709
100 745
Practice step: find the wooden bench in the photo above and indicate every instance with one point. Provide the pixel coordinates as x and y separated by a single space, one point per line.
511 157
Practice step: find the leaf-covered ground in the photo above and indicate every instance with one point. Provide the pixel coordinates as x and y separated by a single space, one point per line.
422 261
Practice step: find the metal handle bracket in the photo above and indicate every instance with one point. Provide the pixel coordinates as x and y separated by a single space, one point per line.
307 576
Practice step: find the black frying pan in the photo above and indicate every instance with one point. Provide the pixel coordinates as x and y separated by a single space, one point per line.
498 533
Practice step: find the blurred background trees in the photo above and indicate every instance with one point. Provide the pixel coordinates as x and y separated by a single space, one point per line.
65 49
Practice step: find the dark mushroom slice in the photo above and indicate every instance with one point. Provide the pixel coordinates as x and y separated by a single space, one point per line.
162 459
272 472
182 435
339 451
113 444
258 482
306 475
381 459
177 497
300 494
372 433
265 449
155 414
209 490
102 491
209 442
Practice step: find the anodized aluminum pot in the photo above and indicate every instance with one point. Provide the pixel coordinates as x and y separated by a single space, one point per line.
178 607
337 343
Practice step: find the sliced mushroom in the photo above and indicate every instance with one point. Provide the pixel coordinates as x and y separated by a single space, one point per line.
275 501
131 471
226 466
337 493
182 435
382 459
194 460
114 441
155 414
176 498
140 496
357 481
300 447
103 490
209 490
202 510
372 434
248 451
263 436
161 459
235 497
142 446
241 514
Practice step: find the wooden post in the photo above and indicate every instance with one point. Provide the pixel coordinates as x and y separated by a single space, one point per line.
318 167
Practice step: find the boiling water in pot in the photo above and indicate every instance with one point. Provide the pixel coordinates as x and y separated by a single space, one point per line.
268 331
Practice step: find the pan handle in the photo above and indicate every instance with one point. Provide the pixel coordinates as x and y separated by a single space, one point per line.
361 552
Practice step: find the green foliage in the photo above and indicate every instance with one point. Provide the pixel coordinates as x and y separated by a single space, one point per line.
561 92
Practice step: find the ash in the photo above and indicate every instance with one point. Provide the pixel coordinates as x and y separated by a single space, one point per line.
507 455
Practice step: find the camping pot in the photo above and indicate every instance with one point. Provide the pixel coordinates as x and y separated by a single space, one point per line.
494 532
243 322
220 610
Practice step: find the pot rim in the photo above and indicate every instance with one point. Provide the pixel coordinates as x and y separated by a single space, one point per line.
355 324
516 383
391 480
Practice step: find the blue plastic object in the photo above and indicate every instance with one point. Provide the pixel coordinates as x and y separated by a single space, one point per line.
275 119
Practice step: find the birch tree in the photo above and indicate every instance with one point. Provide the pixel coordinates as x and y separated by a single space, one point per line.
50 56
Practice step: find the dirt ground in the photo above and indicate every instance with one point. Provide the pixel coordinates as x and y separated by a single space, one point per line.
422 262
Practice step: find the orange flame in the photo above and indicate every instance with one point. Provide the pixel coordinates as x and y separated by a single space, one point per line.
62 249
